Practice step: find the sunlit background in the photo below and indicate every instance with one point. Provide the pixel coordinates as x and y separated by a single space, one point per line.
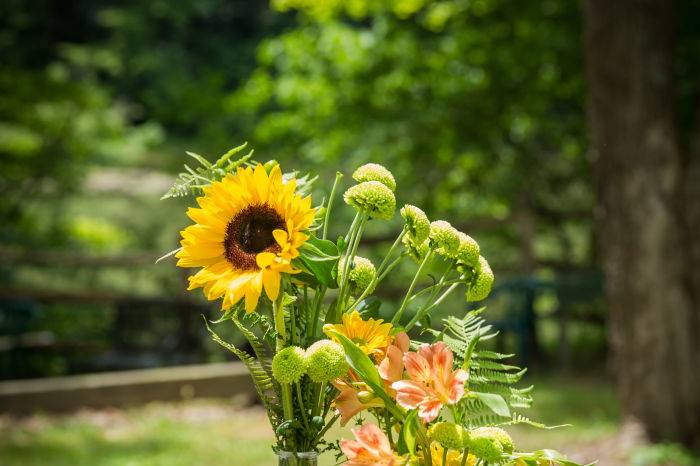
477 107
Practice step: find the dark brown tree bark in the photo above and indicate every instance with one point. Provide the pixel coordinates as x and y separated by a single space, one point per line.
644 208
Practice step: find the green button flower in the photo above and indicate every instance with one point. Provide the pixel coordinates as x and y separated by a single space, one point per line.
375 172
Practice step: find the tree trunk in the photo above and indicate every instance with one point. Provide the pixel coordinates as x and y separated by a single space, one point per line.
642 214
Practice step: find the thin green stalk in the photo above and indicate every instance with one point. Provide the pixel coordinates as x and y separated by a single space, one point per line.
389 268
377 276
423 439
278 313
338 176
428 304
351 230
391 249
317 308
465 455
387 421
328 425
429 308
301 404
348 260
397 316
444 456
319 404
292 326
433 287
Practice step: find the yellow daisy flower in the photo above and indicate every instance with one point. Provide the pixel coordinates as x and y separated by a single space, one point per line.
246 232
372 336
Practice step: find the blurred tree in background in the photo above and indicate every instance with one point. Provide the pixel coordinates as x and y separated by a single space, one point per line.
475 106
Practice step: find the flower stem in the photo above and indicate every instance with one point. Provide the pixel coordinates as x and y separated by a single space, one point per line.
321 396
278 313
317 308
429 308
444 456
397 316
465 455
433 287
423 438
349 259
328 425
390 267
287 407
338 176
301 404
430 301
379 275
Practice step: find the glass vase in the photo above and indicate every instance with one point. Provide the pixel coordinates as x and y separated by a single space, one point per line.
306 458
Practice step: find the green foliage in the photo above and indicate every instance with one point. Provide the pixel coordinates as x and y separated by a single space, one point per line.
663 454
475 105
319 259
493 396
260 370
192 180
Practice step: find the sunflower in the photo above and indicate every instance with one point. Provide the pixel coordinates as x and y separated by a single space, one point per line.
372 336
247 230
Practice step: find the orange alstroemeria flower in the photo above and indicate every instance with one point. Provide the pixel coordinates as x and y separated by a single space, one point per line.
353 398
433 383
391 368
371 448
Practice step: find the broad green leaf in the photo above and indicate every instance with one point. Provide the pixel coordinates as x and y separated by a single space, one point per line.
495 402
320 257
552 456
407 436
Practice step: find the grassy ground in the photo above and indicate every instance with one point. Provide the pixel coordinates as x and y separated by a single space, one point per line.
217 433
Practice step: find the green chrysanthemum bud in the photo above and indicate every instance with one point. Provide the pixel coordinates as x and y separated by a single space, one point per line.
375 172
372 197
487 448
445 238
481 286
497 433
448 435
416 251
325 361
417 223
361 274
289 365
468 252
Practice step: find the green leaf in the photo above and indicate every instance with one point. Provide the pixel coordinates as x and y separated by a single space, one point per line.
369 307
551 456
407 436
204 162
320 257
495 402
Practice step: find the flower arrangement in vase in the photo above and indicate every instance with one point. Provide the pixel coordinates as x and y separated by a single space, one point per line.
320 354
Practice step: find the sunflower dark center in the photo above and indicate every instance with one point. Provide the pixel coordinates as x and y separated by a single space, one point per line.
250 233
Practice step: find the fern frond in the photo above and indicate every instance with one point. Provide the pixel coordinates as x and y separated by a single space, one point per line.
264 385
192 180
253 339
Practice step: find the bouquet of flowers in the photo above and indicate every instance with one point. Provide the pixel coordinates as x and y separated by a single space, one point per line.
319 354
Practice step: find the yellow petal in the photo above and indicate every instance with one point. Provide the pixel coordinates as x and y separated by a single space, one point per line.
261 183
280 236
264 259
271 281
276 176
251 297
